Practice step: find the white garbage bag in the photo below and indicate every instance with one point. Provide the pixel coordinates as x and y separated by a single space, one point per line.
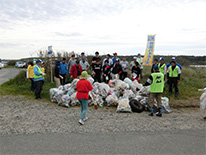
123 105
137 85
145 90
53 92
67 86
203 99
104 89
165 104
111 100
74 100
91 80
74 83
59 95
128 93
65 101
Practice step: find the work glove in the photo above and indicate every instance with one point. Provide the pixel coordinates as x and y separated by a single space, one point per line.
120 72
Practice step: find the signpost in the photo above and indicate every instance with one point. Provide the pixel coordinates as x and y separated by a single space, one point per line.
50 53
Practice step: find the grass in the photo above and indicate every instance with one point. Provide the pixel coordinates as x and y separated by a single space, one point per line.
192 79
20 86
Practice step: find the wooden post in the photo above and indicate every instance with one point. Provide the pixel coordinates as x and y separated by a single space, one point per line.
51 70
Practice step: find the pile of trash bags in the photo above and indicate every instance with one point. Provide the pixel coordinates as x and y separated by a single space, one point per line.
127 95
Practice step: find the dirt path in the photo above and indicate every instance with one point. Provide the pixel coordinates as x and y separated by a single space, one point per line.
8 73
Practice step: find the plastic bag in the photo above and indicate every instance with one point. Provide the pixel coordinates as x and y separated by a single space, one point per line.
104 89
74 100
91 80
165 104
137 85
74 83
111 100
70 91
131 84
98 101
61 87
128 93
59 95
67 86
145 90
52 92
65 101
203 100
123 105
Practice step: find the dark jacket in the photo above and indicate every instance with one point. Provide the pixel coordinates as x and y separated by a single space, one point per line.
117 69
136 70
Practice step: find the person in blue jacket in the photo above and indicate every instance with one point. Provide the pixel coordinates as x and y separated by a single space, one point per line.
63 71
38 79
174 59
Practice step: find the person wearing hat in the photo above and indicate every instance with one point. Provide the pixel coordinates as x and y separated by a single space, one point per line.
174 59
173 76
117 69
114 58
38 79
76 70
83 56
71 62
140 61
155 63
132 62
162 66
83 87
63 70
30 75
57 76
156 82
110 62
84 63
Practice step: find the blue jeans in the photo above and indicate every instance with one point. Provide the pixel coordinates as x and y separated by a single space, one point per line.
84 107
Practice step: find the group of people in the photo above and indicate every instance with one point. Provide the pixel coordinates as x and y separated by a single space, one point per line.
108 69
36 73
160 71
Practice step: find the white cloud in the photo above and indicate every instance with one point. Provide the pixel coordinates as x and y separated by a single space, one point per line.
106 26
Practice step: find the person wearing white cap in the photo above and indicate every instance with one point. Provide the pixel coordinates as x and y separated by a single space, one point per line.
132 62
140 61
174 59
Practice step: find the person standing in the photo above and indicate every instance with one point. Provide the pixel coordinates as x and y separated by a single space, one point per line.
76 70
125 66
140 61
115 57
57 76
156 80
83 87
162 66
38 79
106 72
136 72
155 63
173 75
63 71
85 65
132 62
97 71
96 58
30 75
174 59
72 61
83 56
117 69
110 62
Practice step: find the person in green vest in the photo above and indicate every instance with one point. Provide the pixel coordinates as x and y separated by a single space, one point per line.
38 79
156 82
173 76
162 66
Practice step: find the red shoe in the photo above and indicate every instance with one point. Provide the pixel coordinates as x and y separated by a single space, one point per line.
31 91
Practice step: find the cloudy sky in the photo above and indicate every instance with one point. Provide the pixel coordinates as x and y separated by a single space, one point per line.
122 26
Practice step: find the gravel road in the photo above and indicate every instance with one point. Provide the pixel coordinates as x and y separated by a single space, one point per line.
19 115
8 73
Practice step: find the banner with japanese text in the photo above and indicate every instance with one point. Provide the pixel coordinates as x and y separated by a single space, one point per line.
148 57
